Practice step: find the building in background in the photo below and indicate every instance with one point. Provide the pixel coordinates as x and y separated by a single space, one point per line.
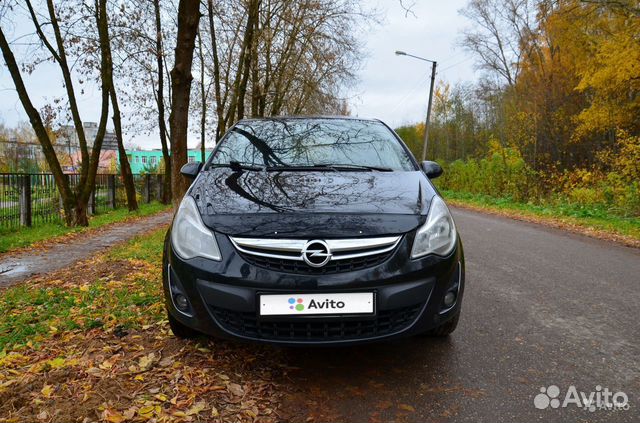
21 152
68 148
68 137
150 161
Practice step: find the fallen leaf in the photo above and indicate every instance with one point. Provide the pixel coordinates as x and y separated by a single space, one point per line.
235 389
94 371
47 390
146 361
112 416
146 411
166 362
197 408
106 365
130 413
57 363
384 405
406 407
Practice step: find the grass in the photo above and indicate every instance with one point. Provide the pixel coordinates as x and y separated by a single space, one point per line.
13 238
118 289
597 218
146 247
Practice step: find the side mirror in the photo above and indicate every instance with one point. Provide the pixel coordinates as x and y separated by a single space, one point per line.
191 170
431 169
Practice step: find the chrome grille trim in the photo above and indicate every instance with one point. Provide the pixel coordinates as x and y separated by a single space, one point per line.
351 247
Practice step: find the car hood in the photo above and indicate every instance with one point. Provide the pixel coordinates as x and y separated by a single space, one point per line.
311 204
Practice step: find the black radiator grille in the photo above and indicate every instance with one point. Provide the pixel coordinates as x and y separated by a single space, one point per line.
386 322
334 266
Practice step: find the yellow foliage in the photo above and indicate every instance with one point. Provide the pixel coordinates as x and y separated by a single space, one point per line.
626 160
604 48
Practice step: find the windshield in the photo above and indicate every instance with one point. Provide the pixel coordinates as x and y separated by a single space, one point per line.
282 143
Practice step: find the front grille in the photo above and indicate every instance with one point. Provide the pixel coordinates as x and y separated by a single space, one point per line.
386 322
337 266
316 257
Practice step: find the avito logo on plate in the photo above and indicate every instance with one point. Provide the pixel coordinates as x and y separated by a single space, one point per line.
297 304
313 304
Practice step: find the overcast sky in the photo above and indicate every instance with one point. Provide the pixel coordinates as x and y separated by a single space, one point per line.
392 88
395 88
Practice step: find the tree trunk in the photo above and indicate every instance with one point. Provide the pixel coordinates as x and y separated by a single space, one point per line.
80 216
255 77
84 190
203 96
125 168
162 125
62 183
221 126
188 18
247 47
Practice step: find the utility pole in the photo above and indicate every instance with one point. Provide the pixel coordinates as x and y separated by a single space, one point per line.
427 123
433 80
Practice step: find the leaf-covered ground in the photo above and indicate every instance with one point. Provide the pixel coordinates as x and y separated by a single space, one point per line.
91 343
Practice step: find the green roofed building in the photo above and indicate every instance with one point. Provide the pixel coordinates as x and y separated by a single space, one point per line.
148 161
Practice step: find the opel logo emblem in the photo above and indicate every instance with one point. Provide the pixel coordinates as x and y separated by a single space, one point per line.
316 253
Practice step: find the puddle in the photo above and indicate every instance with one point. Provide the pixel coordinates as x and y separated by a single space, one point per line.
12 269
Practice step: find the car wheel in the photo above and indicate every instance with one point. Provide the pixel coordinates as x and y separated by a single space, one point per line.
180 330
446 328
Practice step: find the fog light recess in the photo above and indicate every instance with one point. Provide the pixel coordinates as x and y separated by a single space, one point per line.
181 302
449 299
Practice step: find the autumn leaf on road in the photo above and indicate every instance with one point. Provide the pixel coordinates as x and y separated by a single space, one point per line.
146 361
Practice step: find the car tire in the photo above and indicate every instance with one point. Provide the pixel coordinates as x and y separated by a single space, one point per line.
446 328
180 330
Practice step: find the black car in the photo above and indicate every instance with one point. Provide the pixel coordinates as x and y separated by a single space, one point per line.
312 230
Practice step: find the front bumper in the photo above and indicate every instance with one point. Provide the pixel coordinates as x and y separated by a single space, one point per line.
223 296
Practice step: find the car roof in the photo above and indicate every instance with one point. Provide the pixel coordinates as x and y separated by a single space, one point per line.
308 117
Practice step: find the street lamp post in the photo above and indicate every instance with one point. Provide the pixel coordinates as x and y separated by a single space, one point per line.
433 79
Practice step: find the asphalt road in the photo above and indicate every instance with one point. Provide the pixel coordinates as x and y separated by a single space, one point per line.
542 307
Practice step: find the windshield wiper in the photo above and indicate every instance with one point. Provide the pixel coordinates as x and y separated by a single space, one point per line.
328 166
236 166
293 168
351 166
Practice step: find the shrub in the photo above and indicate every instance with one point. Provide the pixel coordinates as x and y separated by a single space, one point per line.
611 187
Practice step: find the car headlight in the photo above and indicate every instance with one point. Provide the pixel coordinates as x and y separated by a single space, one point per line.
189 237
438 234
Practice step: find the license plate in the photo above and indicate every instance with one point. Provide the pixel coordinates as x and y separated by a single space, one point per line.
308 304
